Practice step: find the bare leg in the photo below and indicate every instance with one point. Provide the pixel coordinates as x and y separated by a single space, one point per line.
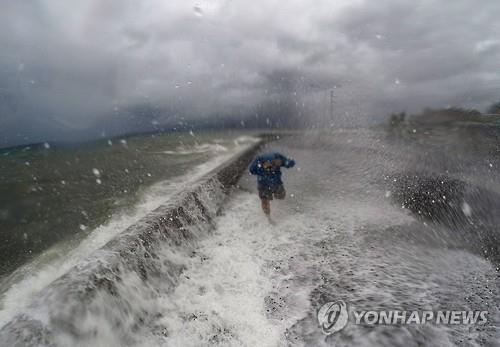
266 207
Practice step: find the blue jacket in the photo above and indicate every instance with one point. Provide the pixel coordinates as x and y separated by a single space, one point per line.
269 177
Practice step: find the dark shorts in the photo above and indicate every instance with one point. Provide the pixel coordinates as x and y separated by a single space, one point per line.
268 192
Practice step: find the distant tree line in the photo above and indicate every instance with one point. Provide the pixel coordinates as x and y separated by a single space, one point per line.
443 116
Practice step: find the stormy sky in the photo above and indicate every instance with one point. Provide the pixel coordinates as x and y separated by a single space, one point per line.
89 68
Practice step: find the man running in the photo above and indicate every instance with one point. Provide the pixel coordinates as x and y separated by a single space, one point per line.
267 168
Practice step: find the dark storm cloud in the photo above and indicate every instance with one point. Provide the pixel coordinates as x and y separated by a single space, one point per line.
75 68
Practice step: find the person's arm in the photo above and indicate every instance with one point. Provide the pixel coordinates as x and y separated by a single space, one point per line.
256 167
286 162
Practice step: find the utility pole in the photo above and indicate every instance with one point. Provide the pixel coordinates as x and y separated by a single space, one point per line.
331 105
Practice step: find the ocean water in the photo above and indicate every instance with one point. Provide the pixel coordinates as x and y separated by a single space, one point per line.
376 219
60 203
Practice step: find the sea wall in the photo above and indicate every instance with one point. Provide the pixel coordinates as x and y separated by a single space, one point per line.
112 295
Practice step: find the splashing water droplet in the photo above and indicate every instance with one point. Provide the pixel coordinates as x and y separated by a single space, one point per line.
198 11
466 209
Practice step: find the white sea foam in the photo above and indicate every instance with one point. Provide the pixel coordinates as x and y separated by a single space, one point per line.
20 287
219 299
255 284
215 146
199 148
337 237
